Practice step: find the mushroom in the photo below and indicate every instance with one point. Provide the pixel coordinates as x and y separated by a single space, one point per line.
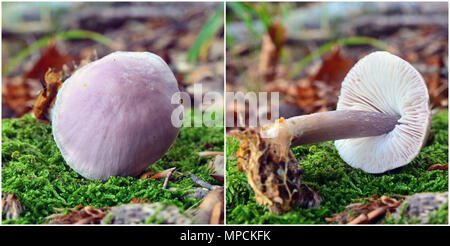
112 117
382 118
381 123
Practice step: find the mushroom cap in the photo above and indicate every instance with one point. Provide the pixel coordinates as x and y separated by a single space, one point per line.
112 117
385 83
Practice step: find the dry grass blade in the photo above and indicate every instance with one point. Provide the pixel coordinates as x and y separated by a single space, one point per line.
166 181
210 153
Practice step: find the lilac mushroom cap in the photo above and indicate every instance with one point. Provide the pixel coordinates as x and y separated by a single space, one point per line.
382 82
112 117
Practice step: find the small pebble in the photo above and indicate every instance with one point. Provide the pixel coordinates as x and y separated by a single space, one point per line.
140 213
421 206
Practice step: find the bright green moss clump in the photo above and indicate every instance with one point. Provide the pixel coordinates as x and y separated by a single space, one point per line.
34 170
338 183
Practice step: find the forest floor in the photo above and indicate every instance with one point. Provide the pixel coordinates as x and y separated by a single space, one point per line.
36 173
341 185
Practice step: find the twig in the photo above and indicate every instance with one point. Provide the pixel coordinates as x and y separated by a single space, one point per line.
166 181
210 153
375 213
200 182
362 218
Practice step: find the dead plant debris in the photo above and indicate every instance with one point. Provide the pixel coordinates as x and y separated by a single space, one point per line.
273 172
78 215
366 210
11 206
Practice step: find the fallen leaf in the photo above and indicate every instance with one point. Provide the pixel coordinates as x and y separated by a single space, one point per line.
47 97
137 200
78 215
147 175
217 214
11 206
162 174
318 92
211 208
433 80
50 58
19 94
334 68
438 167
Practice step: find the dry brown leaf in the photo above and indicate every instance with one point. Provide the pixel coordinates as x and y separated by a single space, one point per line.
268 59
147 175
203 214
47 97
319 92
438 167
217 214
218 165
86 215
162 174
50 58
137 200
19 94
333 69
432 79
11 206
272 42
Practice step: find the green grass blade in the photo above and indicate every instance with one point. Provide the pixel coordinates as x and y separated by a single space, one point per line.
73 34
264 16
241 12
357 40
209 30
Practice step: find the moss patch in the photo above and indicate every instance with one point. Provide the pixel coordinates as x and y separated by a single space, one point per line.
33 169
338 183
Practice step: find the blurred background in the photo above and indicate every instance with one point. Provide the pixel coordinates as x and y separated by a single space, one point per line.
304 50
61 35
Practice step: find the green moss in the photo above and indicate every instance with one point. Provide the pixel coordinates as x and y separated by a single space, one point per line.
440 216
33 169
338 183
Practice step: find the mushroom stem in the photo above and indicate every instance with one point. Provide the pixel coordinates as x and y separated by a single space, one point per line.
339 124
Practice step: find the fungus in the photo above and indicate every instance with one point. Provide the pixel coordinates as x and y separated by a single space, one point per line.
381 123
112 117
